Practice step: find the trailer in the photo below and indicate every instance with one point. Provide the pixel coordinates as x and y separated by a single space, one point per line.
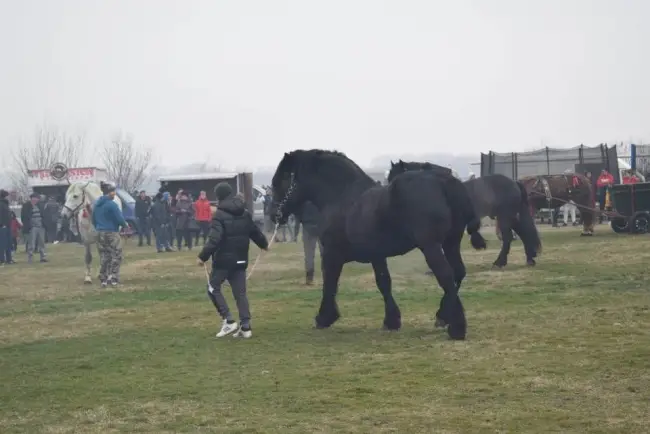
630 208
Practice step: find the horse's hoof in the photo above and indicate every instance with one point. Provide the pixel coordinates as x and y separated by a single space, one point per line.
322 323
393 325
531 263
88 281
440 323
457 333
496 267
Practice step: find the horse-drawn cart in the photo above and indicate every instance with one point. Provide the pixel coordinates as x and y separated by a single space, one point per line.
631 208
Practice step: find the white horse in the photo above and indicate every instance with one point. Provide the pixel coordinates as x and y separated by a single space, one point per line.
79 202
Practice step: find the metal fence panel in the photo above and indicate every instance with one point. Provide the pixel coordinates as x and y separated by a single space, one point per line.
548 161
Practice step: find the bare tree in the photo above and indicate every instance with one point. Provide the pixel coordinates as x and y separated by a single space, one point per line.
127 164
46 148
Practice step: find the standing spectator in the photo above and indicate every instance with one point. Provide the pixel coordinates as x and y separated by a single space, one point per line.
604 183
16 226
267 200
184 214
172 216
309 217
51 214
203 213
31 215
142 208
160 221
5 229
630 177
296 229
107 219
230 234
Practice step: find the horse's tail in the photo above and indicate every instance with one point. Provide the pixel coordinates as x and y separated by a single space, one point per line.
472 219
527 228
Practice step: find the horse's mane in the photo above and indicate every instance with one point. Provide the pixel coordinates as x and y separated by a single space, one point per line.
302 158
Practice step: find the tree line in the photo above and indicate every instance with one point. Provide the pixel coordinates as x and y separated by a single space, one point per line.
128 163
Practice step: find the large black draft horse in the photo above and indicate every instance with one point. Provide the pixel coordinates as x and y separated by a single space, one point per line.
494 196
363 222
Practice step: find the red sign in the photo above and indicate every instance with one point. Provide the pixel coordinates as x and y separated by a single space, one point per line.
81 173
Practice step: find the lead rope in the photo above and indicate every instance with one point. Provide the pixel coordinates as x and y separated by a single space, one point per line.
259 255
250 272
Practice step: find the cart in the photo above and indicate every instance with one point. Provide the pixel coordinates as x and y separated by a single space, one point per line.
631 208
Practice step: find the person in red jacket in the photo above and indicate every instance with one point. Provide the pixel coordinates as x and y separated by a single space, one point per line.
16 226
603 183
630 178
203 216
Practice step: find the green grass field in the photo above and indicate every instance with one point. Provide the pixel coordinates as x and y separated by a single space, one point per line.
563 347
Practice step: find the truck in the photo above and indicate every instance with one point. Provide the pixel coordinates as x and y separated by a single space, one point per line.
240 183
42 182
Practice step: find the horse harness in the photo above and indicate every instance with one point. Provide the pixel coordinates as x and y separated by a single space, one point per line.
292 186
546 187
73 212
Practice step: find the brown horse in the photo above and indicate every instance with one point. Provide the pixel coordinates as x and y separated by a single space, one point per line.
553 191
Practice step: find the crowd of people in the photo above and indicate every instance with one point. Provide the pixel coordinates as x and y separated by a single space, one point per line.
39 224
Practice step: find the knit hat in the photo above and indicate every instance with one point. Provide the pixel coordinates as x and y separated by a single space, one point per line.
223 190
33 195
3 194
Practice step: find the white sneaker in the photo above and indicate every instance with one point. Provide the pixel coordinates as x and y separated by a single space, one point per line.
226 328
243 334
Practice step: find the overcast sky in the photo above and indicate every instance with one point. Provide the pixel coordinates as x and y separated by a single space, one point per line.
244 81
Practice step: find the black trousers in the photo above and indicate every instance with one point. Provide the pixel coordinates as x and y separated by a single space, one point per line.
204 229
183 234
237 280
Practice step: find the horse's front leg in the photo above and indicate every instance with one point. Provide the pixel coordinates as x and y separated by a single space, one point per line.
88 260
392 316
506 239
329 312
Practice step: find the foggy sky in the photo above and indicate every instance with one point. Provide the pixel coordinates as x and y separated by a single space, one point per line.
241 82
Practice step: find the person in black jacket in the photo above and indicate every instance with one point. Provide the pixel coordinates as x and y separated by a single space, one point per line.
230 231
5 229
142 209
160 221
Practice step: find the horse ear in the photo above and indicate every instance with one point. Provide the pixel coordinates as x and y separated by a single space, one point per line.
392 164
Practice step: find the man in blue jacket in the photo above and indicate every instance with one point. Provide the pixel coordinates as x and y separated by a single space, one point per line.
107 218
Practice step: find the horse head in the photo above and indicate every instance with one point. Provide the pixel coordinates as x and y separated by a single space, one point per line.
79 196
315 175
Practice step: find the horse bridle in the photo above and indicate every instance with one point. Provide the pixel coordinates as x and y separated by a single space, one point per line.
73 212
292 186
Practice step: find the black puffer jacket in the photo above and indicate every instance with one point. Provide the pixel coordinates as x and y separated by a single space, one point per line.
230 234
5 213
159 213
142 207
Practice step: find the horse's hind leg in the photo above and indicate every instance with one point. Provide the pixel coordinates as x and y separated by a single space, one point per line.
392 316
88 260
451 248
588 217
329 312
451 308
506 239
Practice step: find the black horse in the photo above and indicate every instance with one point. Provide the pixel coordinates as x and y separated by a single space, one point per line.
364 222
494 196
